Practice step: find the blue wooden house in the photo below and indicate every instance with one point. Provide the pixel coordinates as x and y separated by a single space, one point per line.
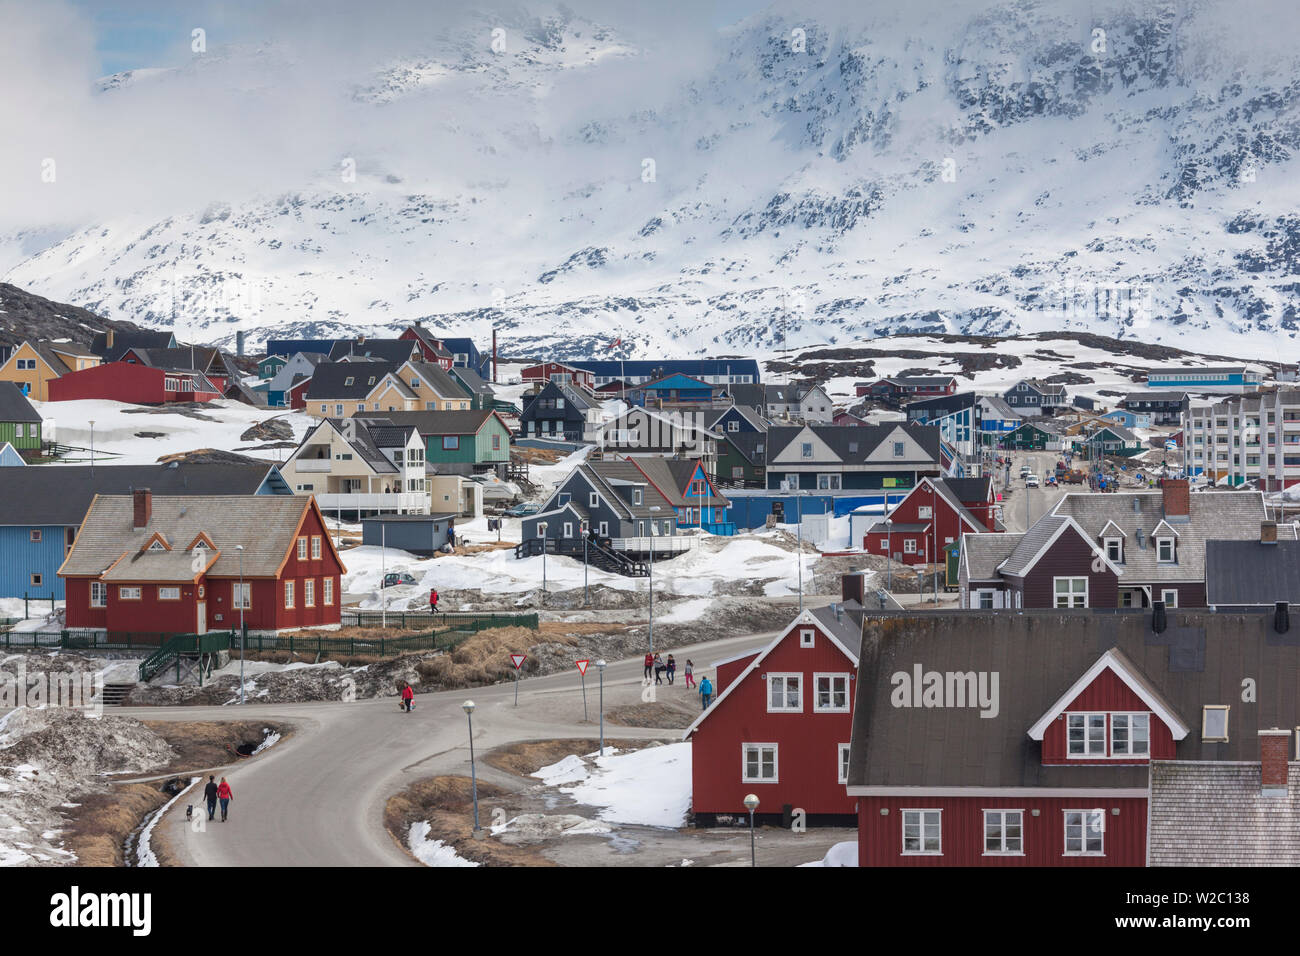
688 488
268 366
42 507
674 388
9 457
1129 419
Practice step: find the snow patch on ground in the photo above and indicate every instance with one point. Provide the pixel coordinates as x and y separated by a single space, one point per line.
144 855
569 770
841 854
650 787
433 852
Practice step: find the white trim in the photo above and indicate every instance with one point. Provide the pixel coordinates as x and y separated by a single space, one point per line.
744 763
736 657
806 618
841 765
1109 793
1071 592
1177 728
984 823
783 676
848 692
1067 523
1083 831
902 832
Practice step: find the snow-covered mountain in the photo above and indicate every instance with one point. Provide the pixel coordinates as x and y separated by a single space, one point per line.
813 175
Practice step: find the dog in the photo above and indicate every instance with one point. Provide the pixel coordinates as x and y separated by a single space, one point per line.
189 812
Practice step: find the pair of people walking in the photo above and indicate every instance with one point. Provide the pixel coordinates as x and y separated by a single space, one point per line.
662 667
218 791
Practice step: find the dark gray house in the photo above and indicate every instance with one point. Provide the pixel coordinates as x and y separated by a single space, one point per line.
1033 396
1165 408
558 411
419 534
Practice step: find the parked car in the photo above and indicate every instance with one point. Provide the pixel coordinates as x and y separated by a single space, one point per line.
1025 471
1031 481
395 578
522 510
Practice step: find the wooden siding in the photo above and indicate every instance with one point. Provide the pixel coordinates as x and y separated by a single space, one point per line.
1107 693
21 434
1071 556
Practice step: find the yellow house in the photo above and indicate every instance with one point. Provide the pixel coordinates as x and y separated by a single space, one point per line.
417 387
341 389
33 364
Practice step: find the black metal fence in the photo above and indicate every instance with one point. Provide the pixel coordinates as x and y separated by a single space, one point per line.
458 620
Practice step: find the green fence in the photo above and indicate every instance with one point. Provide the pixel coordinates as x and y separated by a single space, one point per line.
458 620
85 640
378 646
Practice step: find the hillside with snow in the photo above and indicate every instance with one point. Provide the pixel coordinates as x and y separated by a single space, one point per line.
814 175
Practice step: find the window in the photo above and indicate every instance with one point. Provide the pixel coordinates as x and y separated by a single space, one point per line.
1214 723
593 500
1130 735
98 594
169 593
1071 592
985 600
324 409
315 547
733 426
828 482
832 693
328 589
1084 832
496 442
899 449
36 579
338 410
785 693
241 595
603 529
288 594
1170 597
909 546
843 763
1086 735
302 549
35 535
759 763
1004 832
806 450
636 496
1115 550
737 471
1165 550
309 593
128 593
450 442
347 382
921 831
925 511
807 637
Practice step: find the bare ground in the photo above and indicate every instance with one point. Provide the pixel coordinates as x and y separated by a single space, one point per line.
670 714
527 757
446 803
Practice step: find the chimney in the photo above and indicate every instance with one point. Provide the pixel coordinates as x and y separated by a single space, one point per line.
1274 747
1177 498
239 344
143 499
853 587
494 355
108 339
1268 532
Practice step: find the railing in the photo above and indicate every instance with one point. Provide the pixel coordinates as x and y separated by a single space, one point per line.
660 545
313 465
378 646
179 645
381 501
455 620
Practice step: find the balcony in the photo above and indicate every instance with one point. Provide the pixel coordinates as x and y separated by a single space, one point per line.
312 465
665 544
398 502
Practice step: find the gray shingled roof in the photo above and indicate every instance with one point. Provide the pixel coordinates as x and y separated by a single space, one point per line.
263 524
391 351
14 406
1247 573
329 381
1212 814
466 422
865 438
985 551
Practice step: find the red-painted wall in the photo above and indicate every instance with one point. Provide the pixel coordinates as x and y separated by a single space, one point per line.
1070 556
1107 693
543 371
807 742
728 672
121 382
880 837
945 525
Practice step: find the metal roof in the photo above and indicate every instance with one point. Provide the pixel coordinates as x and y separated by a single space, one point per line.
1248 573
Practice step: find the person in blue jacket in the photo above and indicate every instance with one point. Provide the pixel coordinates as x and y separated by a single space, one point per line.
706 692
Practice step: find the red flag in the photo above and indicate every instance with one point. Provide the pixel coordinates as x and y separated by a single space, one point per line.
616 343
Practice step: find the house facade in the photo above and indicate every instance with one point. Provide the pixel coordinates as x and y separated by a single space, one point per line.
189 564
560 412
957 417
20 424
1227 379
831 458
737 371
459 443
934 514
293 369
1034 397
559 373
360 467
134 383
1164 408
1248 438
33 364
689 489
905 388
780 725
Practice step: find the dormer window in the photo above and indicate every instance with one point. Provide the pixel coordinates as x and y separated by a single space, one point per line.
1165 552
636 496
1114 550
347 382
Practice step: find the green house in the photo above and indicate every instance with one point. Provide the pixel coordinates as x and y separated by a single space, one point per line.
742 457
1111 440
1032 436
270 366
460 442
20 424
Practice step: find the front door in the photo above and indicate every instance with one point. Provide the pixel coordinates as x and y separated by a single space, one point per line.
201 626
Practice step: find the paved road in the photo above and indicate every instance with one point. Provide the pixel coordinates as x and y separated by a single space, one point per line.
1041 499
317 799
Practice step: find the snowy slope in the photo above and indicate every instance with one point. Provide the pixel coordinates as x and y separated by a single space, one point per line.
821 173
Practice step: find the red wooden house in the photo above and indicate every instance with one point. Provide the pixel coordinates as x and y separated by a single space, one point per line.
186 564
780 725
134 383
935 513
544 372
296 395
907 387
433 348
1033 738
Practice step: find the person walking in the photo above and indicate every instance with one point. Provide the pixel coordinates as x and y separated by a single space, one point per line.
210 794
225 795
659 669
649 665
690 670
706 693
408 698
433 600
672 668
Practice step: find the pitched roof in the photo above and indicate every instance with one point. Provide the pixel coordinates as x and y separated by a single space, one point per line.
125 340
60 494
471 380
459 422
1199 660
265 525
606 477
854 444
1247 573
983 552
437 378
750 414
395 351
752 446
14 406
330 381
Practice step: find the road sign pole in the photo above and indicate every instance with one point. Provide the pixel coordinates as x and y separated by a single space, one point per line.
584 698
518 661
516 686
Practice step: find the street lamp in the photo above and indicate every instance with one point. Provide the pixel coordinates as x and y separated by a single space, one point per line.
468 707
751 804
582 527
889 549
239 549
600 666
541 529
92 448
651 588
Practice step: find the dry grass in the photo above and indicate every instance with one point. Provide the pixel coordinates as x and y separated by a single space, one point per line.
670 716
446 803
105 820
482 658
536 456
529 756
204 745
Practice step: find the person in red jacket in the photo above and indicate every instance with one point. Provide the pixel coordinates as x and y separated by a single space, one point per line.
408 698
225 795
433 600
649 665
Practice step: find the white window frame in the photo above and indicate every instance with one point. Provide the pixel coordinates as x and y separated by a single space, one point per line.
309 592
1205 711
35 536
241 595
980 595
842 763
302 549
1089 734
98 594
327 590
164 592
1118 556
785 677
832 676
593 500
1161 542
1085 817
1001 823
288 595
921 825
128 592
909 546
1166 594
1131 718
807 637
315 547
745 748
1071 594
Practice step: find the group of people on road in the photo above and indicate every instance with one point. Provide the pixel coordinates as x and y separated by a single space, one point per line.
658 666
218 791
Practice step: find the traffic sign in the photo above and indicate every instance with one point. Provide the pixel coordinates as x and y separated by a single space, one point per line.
518 660
582 667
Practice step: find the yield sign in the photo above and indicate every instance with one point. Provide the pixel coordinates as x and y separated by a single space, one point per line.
518 660
582 667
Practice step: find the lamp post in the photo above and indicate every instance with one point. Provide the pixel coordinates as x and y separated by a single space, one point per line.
541 530
383 574
468 707
751 804
586 598
651 588
92 448
889 550
798 526
600 666
239 549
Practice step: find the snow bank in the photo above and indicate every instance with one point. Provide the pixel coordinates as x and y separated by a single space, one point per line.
650 787
569 770
841 854
144 852
433 852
